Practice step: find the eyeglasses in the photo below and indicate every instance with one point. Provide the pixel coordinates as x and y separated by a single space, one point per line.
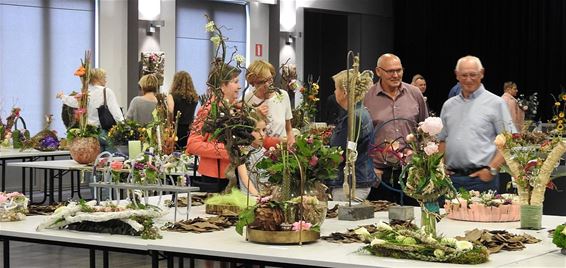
392 71
470 75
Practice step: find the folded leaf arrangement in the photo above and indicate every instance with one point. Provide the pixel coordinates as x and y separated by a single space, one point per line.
133 219
13 206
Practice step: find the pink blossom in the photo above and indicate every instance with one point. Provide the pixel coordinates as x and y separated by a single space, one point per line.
431 125
264 199
117 165
431 148
13 194
3 198
301 225
314 161
310 140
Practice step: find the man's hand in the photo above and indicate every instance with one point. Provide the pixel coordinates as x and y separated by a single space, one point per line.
483 174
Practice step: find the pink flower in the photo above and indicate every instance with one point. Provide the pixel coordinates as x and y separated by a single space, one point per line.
3 198
301 225
314 161
117 165
431 125
13 194
431 148
264 199
310 140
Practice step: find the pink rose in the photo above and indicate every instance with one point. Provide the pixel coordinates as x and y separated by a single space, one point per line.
314 161
301 225
431 148
117 165
431 125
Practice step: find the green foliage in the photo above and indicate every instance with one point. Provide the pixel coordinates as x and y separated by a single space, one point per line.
234 198
84 132
125 131
318 161
85 207
559 238
246 217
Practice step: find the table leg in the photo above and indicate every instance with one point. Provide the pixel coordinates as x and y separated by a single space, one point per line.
3 175
51 186
92 256
79 178
24 178
170 261
72 184
105 260
60 172
181 262
154 259
6 246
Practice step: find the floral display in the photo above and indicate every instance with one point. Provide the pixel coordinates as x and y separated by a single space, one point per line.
426 178
485 207
45 140
153 63
413 243
125 131
559 111
530 158
132 219
6 128
529 105
13 206
323 132
559 237
84 130
306 111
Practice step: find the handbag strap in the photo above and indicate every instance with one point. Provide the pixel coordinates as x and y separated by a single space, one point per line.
104 90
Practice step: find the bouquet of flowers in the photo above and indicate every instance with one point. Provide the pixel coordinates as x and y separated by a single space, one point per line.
306 111
426 178
409 243
6 129
13 206
125 131
485 207
529 105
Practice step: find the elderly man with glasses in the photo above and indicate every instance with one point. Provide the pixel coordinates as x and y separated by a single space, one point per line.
396 108
471 121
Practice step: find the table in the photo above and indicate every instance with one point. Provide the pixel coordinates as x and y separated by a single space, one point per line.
62 167
31 154
227 245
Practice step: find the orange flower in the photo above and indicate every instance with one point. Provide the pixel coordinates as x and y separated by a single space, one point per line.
311 97
81 71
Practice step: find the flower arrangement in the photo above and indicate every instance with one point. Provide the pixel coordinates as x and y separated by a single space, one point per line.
84 129
413 243
529 105
125 131
153 63
306 111
6 129
426 178
559 111
133 219
13 206
325 133
530 158
318 162
45 140
485 207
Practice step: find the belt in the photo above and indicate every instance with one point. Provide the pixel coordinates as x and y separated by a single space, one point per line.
463 171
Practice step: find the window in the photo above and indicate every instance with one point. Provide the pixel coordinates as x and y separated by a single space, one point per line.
41 44
194 49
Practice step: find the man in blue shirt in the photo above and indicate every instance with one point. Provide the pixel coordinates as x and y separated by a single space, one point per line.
471 122
454 91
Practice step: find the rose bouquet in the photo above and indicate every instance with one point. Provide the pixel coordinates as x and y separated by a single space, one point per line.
426 178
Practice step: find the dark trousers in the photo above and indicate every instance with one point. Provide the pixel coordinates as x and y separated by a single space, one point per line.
209 184
474 183
390 177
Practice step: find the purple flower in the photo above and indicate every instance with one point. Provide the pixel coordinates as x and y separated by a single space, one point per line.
49 142
139 166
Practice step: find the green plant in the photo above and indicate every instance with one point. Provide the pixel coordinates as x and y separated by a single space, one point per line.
125 131
559 236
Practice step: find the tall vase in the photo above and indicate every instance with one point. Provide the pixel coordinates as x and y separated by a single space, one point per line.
531 217
429 210
84 150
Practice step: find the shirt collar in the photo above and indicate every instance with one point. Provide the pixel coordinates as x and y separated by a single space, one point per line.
380 89
475 94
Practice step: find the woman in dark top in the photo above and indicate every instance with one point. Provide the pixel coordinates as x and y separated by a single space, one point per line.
182 97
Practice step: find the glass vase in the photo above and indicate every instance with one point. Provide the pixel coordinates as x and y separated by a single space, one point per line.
531 217
429 210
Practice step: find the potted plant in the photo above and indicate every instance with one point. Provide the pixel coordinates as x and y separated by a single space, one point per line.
123 132
559 237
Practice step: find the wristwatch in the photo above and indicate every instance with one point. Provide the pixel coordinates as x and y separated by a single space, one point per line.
492 171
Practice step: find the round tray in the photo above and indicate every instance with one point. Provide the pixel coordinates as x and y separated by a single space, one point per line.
281 237
218 209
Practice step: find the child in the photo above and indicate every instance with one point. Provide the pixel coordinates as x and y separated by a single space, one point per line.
249 175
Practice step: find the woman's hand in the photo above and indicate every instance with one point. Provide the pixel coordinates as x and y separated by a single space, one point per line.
60 95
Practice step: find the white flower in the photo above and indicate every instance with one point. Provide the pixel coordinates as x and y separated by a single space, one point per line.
362 233
384 226
431 125
239 59
376 241
431 148
215 40
448 241
463 245
209 26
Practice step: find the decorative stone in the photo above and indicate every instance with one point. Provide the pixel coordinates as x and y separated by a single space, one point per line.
355 212
402 213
